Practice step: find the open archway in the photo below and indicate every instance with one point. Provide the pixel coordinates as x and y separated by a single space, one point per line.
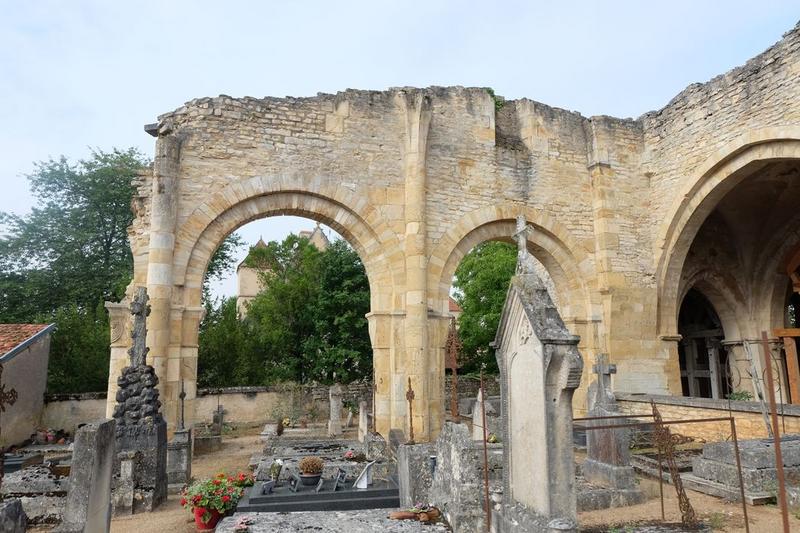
730 238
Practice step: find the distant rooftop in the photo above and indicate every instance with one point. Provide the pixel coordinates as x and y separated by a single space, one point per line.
16 336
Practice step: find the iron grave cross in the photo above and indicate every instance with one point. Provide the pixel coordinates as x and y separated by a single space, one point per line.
140 310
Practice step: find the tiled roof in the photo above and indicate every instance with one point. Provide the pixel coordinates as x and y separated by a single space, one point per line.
454 307
12 335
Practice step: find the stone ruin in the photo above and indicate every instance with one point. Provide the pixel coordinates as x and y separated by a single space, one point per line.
140 471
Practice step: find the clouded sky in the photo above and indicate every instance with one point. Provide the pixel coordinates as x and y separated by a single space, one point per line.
81 73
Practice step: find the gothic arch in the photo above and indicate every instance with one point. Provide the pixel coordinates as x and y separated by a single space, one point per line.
720 173
568 264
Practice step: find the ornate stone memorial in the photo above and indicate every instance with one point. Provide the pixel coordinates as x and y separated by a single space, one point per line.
540 369
141 432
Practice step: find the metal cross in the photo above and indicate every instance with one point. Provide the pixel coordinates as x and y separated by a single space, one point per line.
6 398
410 398
181 396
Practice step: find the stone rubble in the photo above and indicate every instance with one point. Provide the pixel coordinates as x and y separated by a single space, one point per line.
368 521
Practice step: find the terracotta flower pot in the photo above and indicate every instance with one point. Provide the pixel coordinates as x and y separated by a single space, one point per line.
212 522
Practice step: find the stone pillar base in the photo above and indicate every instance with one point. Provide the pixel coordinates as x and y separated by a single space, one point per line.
516 518
179 460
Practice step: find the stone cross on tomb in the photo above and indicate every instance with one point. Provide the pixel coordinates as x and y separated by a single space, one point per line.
6 398
140 310
525 261
603 369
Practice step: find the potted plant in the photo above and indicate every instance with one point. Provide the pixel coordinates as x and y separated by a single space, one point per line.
310 470
210 499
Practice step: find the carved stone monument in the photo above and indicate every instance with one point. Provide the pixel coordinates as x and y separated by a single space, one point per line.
179 452
540 368
608 461
141 432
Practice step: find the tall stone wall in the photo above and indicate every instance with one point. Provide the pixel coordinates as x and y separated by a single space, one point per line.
414 178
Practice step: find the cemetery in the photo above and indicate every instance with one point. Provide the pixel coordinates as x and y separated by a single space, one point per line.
643 375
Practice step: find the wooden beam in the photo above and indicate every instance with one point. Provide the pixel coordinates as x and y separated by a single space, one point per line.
792 369
786 332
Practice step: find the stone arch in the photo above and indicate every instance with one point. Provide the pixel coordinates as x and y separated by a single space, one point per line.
568 264
254 198
725 296
721 172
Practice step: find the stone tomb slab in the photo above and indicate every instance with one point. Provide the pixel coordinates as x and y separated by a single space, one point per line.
714 472
363 521
381 495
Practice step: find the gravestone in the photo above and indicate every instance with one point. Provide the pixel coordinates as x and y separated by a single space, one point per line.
335 421
608 460
363 420
540 368
12 517
218 420
179 453
492 419
88 507
141 432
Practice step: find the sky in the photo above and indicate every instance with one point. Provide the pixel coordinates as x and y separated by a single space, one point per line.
80 74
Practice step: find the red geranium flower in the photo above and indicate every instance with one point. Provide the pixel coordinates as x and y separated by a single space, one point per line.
226 498
183 502
216 482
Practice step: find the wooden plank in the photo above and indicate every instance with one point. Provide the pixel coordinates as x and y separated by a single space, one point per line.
792 369
786 332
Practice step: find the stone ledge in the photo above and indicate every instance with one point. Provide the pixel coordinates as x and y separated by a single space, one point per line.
705 403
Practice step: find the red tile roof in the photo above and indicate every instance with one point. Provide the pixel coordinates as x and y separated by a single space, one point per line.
12 335
454 307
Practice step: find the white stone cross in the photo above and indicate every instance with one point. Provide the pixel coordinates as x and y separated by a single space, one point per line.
604 370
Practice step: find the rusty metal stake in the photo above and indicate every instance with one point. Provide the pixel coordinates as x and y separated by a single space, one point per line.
410 398
661 484
485 458
776 435
739 473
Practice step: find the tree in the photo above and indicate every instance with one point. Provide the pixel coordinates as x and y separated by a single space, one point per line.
306 325
72 249
70 253
340 349
482 280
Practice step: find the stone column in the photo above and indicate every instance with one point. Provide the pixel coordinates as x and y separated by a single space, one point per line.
415 362
187 372
119 316
335 419
163 217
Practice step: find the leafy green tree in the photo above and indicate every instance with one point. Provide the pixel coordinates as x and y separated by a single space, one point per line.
78 349
70 253
340 348
481 281
72 248
307 324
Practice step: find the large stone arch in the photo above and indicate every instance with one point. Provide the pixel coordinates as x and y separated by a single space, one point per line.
720 173
249 199
569 265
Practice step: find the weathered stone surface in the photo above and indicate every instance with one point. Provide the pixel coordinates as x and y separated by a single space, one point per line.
88 505
12 517
179 459
335 418
414 473
368 521
143 448
363 420
457 486
42 493
493 421
755 453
